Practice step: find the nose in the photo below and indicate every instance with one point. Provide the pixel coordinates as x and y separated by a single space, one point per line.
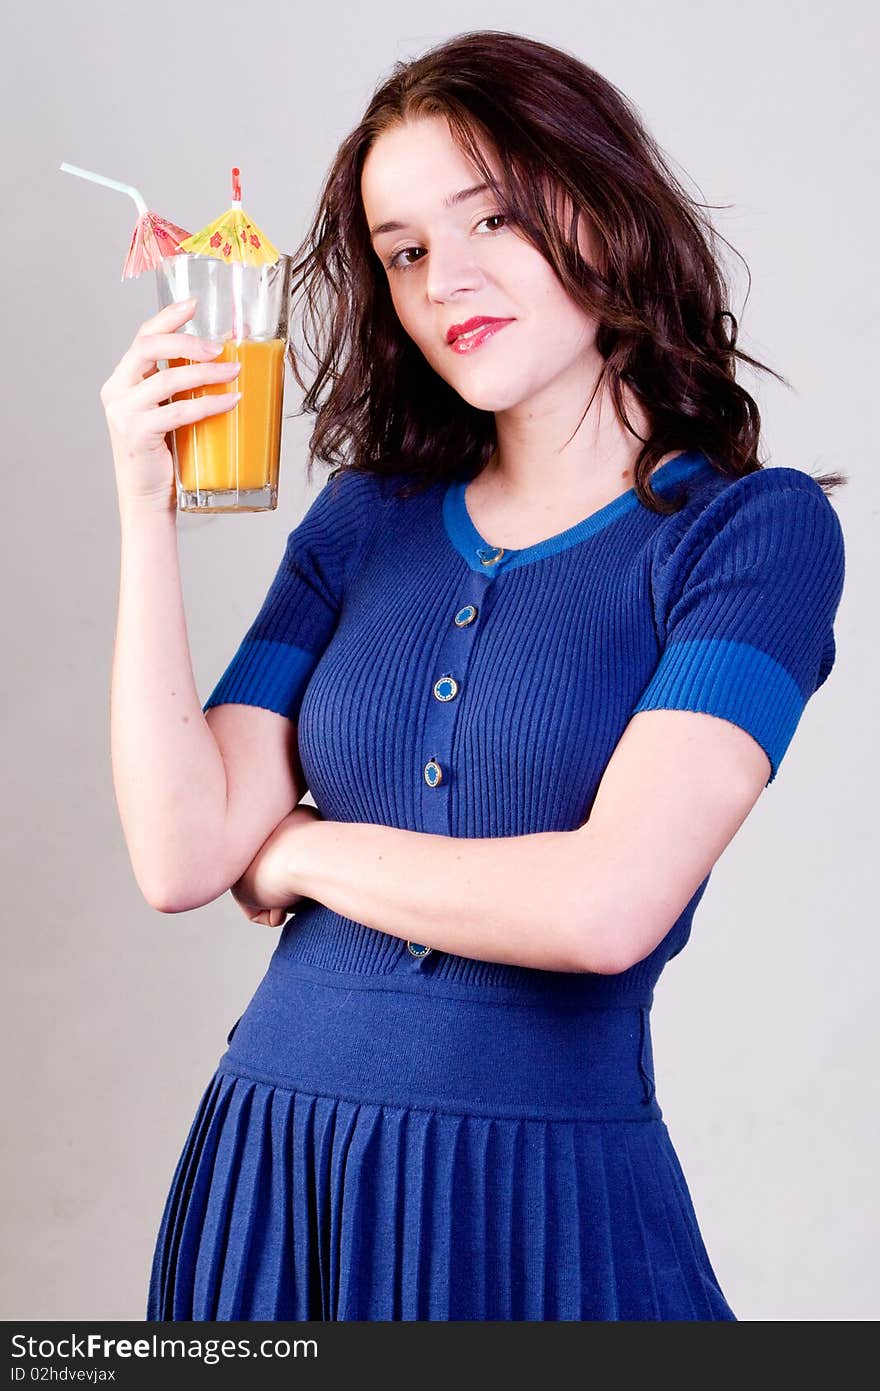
451 269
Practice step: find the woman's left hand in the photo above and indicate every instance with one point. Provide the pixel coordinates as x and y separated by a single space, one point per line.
264 892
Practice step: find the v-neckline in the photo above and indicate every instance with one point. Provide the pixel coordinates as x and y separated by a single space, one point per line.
486 558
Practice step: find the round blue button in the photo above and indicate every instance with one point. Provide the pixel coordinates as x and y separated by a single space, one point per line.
446 688
433 773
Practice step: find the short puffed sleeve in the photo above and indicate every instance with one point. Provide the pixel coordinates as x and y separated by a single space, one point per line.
280 650
744 605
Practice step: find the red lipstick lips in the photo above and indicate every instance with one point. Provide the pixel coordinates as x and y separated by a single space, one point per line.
458 329
462 337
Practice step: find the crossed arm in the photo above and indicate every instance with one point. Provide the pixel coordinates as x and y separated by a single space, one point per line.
600 898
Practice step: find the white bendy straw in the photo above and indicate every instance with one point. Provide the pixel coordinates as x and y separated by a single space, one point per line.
109 183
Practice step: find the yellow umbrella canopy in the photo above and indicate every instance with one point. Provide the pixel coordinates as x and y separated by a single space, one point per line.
233 237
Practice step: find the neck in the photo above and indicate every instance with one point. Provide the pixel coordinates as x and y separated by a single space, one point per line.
534 453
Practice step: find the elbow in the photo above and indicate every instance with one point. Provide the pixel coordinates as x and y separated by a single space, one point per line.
604 935
182 886
611 947
598 962
167 905
615 963
587 952
161 901
155 891
167 898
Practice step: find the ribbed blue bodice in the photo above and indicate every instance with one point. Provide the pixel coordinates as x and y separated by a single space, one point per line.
443 684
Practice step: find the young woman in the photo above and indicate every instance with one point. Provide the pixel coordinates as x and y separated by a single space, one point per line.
536 648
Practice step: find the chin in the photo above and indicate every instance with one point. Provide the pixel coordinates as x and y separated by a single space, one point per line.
485 397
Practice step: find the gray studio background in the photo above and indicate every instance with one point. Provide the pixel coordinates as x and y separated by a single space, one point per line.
115 1015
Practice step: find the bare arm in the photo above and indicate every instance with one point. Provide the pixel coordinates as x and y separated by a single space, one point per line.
197 795
168 772
599 898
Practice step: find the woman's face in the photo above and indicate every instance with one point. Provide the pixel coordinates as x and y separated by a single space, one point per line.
448 264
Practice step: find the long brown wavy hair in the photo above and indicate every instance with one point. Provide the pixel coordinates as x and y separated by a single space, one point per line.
657 291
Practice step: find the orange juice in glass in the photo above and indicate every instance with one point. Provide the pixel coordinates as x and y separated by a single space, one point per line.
229 462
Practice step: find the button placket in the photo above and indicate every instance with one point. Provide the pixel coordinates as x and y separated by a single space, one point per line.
446 691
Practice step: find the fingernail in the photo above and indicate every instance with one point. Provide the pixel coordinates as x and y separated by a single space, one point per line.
213 348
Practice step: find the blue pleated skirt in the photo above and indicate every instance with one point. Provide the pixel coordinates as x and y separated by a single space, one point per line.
384 1148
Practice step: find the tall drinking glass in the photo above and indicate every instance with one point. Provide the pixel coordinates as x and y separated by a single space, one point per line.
229 462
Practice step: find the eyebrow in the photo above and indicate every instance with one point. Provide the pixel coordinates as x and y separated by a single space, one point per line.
451 202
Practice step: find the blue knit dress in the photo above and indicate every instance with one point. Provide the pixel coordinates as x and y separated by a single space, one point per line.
396 1132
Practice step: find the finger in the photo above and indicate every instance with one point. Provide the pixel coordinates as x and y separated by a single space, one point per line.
170 381
179 312
270 917
146 351
178 413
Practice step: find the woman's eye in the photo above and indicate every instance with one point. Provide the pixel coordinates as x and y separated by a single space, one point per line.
396 264
392 264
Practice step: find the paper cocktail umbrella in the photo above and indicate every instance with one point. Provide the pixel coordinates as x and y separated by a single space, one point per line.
154 238
233 237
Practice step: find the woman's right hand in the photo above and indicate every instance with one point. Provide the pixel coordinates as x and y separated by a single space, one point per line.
136 418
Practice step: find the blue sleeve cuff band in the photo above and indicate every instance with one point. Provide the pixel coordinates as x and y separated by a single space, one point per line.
273 675
734 681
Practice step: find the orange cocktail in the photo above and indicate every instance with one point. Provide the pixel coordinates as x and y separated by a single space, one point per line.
238 450
228 462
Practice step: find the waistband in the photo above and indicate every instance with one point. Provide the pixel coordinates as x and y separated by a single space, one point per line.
400 1042
343 951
